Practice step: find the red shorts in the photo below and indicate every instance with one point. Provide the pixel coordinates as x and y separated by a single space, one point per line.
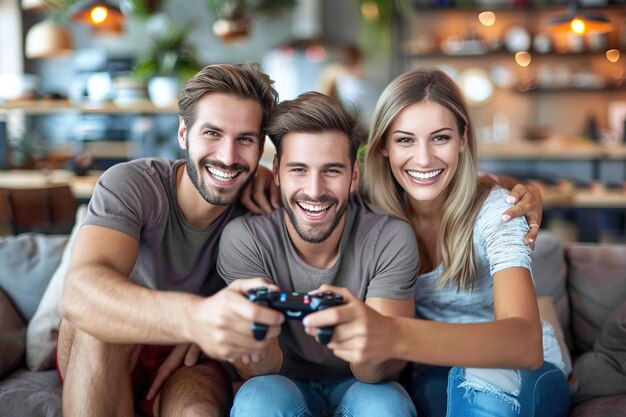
150 359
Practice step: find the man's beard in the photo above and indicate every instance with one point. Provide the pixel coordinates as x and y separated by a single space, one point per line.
327 228
216 195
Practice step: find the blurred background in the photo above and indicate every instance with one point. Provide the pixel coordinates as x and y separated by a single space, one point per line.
87 84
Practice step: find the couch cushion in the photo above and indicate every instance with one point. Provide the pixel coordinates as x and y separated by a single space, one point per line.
597 285
12 336
43 328
27 394
27 262
603 371
549 274
612 406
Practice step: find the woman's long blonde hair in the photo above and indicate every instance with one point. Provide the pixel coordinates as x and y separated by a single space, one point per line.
465 195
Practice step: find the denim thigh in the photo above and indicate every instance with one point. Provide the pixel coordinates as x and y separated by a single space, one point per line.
444 391
542 393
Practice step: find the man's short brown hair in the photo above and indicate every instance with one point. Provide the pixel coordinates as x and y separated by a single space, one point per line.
241 80
312 112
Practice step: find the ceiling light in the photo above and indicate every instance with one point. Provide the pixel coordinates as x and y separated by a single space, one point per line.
613 55
523 58
487 18
48 39
96 13
578 21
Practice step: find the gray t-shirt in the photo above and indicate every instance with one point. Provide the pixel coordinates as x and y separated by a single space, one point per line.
138 198
377 258
498 246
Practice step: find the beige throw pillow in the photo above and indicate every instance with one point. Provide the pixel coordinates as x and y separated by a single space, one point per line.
43 328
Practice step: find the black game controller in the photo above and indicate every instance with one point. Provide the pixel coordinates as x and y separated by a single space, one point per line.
295 306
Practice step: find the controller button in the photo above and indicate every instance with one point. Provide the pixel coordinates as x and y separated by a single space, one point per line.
283 297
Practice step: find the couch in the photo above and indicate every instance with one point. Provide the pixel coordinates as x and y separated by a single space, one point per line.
581 289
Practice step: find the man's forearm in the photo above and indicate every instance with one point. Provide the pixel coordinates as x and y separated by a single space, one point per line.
107 305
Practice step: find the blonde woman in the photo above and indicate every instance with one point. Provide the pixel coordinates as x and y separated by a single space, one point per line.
477 336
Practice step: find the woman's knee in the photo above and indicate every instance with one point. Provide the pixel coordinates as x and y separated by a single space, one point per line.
545 391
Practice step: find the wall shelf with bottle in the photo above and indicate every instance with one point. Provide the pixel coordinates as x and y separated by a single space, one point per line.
530 74
492 32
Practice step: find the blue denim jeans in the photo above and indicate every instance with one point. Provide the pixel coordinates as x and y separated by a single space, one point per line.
443 391
278 396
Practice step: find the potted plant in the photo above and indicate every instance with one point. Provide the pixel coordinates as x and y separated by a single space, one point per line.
166 63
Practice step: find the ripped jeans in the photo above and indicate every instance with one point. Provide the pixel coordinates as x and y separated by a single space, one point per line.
450 392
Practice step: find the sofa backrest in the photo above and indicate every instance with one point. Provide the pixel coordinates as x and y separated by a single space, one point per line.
550 276
587 282
597 287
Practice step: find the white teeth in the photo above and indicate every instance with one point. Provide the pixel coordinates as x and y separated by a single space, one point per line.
221 175
425 175
314 210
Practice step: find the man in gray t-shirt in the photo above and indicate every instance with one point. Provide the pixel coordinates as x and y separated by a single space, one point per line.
141 276
321 240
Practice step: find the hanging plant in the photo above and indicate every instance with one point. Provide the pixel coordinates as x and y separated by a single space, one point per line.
170 54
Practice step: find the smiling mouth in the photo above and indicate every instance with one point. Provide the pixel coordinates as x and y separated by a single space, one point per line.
220 175
425 176
314 210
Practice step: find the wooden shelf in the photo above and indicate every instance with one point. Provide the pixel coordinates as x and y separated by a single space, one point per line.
82 187
503 52
512 9
551 150
59 106
98 149
542 90
584 198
